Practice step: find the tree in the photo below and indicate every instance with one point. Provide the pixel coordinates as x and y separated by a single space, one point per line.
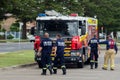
107 11
4 8
14 27
24 10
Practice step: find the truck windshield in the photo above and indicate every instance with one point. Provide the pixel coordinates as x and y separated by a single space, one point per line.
53 27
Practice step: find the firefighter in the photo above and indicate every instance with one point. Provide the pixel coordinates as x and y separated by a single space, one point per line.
37 43
36 48
94 47
45 50
111 49
59 51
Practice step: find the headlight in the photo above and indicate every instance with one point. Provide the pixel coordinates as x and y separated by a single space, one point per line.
75 54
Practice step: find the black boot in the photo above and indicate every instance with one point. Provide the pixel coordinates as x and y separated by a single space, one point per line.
91 65
44 72
55 71
96 65
64 71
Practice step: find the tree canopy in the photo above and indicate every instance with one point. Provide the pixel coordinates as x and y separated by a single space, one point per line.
107 11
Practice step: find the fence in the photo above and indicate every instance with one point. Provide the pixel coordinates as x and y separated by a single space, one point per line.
10 35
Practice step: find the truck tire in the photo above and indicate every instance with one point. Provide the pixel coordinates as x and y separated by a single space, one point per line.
88 61
80 64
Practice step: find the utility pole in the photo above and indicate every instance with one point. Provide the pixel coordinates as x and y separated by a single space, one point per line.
20 27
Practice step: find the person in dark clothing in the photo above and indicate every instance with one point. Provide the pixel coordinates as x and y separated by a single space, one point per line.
111 49
59 52
32 31
46 49
94 46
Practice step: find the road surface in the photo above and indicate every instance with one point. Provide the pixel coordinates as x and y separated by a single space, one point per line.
33 73
9 47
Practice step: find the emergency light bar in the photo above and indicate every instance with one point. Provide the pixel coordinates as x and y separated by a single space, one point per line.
41 14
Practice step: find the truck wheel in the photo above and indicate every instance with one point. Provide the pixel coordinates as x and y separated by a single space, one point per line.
88 61
80 64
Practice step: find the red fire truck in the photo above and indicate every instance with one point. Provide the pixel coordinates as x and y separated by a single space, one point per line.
76 32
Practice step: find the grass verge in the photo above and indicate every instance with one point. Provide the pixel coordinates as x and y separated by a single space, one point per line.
16 58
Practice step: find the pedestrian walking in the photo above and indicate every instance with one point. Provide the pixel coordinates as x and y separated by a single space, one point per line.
59 52
94 47
111 50
45 50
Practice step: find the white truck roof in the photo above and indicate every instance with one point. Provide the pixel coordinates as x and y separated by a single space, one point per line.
90 20
60 18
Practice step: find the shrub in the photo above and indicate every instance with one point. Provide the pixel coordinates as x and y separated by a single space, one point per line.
10 36
2 37
14 27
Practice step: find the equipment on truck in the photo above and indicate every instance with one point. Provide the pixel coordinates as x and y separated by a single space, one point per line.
76 32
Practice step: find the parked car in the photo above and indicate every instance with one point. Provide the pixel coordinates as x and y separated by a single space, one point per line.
102 36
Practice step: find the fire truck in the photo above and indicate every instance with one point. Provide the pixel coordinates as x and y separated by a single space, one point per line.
76 32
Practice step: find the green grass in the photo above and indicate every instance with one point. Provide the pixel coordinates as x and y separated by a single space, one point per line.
16 58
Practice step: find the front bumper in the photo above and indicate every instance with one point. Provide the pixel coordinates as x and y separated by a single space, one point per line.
67 59
73 59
